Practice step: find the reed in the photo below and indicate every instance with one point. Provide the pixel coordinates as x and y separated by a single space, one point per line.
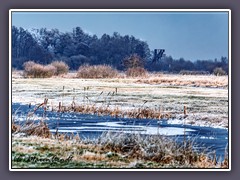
97 71
32 127
157 149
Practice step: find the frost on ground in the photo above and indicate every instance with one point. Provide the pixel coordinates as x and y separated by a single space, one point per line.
109 151
206 97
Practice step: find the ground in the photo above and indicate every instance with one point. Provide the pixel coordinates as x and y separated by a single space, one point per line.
204 97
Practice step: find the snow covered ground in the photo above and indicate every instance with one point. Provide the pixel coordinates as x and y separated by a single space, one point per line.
206 106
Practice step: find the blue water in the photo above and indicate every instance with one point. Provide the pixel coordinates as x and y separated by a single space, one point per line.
92 126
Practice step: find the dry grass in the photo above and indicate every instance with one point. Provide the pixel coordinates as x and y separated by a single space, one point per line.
136 72
61 67
34 70
159 149
31 127
118 150
186 80
139 113
141 76
96 72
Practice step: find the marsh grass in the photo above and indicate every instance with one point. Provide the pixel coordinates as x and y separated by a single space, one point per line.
156 148
136 72
96 71
35 70
138 113
186 80
111 149
118 150
61 67
89 106
32 127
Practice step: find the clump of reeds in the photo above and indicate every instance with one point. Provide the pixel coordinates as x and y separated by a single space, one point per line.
157 148
61 67
136 72
31 127
139 113
35 70
38 129
96 71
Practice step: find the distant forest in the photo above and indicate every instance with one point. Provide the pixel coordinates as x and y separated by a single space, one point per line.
77 48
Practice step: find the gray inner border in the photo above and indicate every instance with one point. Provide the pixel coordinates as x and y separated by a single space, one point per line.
61 4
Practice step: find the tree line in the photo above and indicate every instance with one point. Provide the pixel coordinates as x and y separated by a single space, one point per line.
77 48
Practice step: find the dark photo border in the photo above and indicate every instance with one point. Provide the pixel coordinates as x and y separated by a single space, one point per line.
142 11
234 5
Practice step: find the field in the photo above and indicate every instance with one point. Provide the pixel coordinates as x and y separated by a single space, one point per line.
199 100
206 99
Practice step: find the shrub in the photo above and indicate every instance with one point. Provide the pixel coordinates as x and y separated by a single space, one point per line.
61 67
28 66
32 69
162 150
96 71
136 72
133 61
219 71
49 71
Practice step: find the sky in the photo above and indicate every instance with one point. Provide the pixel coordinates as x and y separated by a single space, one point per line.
189 35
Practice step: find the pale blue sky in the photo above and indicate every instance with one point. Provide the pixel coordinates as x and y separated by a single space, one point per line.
191 35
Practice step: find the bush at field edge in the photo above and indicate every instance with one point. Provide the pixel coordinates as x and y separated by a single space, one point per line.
61 67
136 72
35 70
96 71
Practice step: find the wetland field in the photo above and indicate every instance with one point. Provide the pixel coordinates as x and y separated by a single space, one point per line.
158 121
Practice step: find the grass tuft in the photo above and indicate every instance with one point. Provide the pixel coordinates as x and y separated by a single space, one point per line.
61 67
136 72
96 71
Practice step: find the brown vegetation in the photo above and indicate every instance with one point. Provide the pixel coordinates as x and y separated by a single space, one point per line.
159 149
133 61
119 150
111 146
39 129
96 71
186 80
136 72
34 70
219 72
61 67
139 113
